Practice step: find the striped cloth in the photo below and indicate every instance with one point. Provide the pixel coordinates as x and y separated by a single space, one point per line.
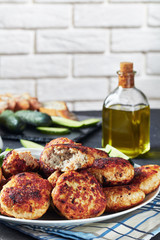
142 223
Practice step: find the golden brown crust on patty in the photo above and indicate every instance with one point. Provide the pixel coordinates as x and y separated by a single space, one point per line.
120 198
26 196
97 153
65 157
3 182
147 178
155 168
52 179
61 140
112 171
78 195
17 162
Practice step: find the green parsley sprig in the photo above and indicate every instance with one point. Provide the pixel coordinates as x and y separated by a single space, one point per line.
3 155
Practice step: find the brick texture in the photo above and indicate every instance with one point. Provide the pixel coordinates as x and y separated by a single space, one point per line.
69 1
109 16
137 1
34 16
16 42
104 65
71 49
154 15
14 1
135 40
16 86
72 41
34 66
153 63
92 89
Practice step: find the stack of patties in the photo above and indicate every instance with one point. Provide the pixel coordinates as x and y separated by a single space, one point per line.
77 193
77 181
124 186
24 193
72 168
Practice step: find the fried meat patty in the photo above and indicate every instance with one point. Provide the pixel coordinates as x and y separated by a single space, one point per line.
61 140
65 157
25 196
78 195
64 140
120 198
17 162
147 178
97 153
156 168
112 171
54 177
3 182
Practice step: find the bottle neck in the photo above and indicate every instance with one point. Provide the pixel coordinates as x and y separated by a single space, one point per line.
126 80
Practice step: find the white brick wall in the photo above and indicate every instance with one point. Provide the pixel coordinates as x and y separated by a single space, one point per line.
135 40
34 66
73 41
34 16
14 1
109 15
94 89
103 65
18 85
69 1
71 49
154 15
153 63
16 42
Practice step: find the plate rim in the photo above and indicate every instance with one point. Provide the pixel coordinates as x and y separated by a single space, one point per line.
64 222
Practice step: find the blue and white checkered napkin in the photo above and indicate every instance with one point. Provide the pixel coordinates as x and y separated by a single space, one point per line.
142 223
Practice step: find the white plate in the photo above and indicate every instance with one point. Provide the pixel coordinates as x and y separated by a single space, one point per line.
51 219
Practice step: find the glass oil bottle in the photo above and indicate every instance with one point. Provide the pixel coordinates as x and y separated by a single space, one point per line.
126 116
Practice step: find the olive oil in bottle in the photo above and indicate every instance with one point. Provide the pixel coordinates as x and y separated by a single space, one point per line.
126 116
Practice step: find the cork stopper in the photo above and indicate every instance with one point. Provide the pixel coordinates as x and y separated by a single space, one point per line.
126 67
126 75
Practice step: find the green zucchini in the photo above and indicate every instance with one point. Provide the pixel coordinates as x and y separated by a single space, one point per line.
66 122
30 144
74 124
11 122
53 130
34 118
90 122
